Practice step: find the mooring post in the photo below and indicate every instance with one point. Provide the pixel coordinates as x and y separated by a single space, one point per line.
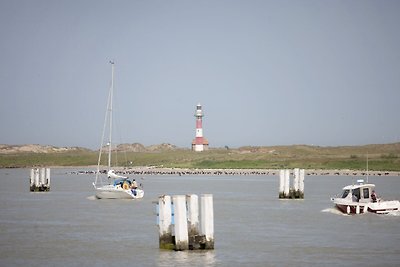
42 177
48 178
192 202
296 179
32 179
165 222
180 219
292 190
37 178
301 183
281 183
287 184
207 220
296 183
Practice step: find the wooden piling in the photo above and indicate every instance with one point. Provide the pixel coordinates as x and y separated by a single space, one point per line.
42 173
181 225
32 178
165 222
207 220
192 202
296 179
301 183
39 180
48 177
286 190
281 184
295 191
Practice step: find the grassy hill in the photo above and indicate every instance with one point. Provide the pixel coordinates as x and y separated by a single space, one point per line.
381 157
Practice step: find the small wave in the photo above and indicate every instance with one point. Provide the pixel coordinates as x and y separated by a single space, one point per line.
395 213
334 211
91 197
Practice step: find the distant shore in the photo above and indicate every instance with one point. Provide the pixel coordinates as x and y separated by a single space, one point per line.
244 172
244 160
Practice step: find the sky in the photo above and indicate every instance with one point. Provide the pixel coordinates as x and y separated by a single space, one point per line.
267 73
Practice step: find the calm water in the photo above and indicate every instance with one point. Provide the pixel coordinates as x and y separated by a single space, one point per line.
68 227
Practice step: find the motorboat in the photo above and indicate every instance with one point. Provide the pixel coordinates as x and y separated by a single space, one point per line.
115 186
361 198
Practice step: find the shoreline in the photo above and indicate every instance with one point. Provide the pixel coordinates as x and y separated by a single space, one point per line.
243 172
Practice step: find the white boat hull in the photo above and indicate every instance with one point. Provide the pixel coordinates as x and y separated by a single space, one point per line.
382 207
113 192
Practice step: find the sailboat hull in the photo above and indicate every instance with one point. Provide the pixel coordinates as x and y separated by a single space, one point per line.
111 192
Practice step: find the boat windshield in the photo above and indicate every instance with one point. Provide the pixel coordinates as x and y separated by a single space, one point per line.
356 193
345 193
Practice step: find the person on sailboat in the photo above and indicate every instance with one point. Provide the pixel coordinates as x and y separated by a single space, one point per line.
134 184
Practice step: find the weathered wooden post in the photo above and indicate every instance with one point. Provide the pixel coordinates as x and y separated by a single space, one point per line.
42 177
183 230
207 220
181 225
39 180
281 184
301 183
165 222
32 180
192 202
296 180
297 188
37 176
287 184
48 178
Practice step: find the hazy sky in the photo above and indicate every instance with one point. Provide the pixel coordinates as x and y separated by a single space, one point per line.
266 72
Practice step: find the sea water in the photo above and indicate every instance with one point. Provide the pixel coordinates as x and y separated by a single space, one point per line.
68 226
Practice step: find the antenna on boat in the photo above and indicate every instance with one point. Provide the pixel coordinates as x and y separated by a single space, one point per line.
367 168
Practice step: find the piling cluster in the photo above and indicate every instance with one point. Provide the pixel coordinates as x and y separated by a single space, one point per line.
40 180
182 226
294 190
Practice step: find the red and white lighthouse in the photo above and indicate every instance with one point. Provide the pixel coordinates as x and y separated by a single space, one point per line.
199 143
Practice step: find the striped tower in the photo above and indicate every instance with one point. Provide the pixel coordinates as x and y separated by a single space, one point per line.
199 142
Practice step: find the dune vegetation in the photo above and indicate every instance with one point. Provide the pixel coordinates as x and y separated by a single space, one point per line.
381 157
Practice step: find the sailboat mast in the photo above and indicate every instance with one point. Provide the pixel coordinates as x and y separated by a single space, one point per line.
110 114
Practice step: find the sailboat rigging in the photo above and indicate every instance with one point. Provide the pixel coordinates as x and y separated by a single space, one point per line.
117 186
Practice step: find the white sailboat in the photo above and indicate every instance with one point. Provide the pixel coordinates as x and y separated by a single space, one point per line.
115 186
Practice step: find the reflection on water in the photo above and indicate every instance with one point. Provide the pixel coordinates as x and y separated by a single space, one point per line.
393 213
186 258
92 197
